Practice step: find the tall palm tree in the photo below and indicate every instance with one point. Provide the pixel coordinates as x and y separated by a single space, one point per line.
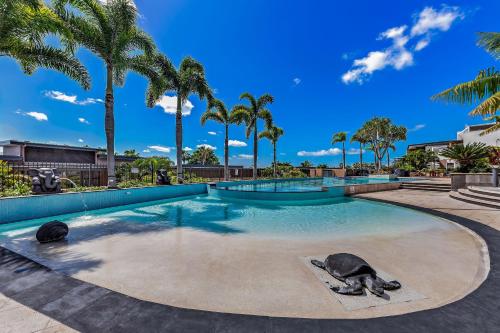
361 139
273 134
340 137
485 88
218 112
24 24
250 115
188 79
109 30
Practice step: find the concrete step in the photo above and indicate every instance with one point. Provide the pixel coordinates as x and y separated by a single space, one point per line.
479 202
479 195
426 187
485 190
444 185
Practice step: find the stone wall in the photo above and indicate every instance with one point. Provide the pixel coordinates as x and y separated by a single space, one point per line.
462 180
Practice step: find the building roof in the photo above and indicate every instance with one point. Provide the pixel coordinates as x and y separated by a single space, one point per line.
480 127
435 143
47 145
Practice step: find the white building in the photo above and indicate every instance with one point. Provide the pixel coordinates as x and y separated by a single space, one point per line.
471 134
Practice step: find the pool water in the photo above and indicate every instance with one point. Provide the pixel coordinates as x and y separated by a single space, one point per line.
338 218
307 185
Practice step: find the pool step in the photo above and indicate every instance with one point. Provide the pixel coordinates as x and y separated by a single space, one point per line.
485 200
426 186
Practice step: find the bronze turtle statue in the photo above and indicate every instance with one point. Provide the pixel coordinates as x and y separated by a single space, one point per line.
356 273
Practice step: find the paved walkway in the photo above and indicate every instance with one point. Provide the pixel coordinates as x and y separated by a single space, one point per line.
57 298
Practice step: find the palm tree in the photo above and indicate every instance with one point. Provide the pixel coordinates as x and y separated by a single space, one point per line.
250 115
340 137
23 26
359 137
218 112
273 134
467 155
188 79
109 30
484 88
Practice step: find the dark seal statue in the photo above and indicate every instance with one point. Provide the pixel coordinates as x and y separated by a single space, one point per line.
356 273
162 177
52 232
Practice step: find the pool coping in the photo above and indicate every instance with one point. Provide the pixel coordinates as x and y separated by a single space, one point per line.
89 308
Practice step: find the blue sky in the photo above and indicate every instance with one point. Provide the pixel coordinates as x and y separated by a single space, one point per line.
330 66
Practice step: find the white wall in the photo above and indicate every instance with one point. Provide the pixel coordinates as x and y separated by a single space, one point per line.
12 150
492 139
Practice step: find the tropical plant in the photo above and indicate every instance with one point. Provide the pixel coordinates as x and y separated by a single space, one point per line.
250 116
485 88
305 164
340 137
273 134
24 25
109 30
188 79
218 112
186 155
204 156
467 155
131 153
359 137
322 166
416 160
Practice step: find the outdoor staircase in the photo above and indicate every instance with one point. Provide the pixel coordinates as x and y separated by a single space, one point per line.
426 186
482 196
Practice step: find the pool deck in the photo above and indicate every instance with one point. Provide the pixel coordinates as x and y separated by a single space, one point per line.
60 301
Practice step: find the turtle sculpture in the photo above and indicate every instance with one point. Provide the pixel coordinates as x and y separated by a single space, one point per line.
52 232
355 273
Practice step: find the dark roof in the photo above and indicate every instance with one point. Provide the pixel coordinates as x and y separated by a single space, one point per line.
480 127
435 143
10 158
47 145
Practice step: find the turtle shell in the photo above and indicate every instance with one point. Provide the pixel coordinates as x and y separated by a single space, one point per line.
344 265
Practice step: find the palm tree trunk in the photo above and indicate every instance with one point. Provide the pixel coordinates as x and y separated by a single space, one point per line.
361 155
109 126
178 139
343 155
274 159
388 160
255 138
226 154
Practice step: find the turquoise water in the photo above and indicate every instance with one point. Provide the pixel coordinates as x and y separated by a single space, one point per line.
338 218
307 185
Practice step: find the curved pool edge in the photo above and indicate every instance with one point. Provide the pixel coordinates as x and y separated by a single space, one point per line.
475 312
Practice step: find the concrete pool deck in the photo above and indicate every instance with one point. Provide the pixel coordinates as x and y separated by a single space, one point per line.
439 199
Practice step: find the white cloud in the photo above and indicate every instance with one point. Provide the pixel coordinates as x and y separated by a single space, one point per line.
323 152
353 151
397 55
297 81
146 151
430 19
161 149
169 105
212 133
206 146
84 121
39 116
237 143
242 157
187 149
416 128
80 140
73 99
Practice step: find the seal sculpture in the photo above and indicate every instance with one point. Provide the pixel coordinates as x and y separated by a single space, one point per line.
356 273
52 232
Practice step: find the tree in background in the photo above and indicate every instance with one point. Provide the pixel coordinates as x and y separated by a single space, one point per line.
24 25
484 88
218 112
109 30
322 166
306 164
417 160
131 153
250 115
186 155
273 134
467 156
188 79
204 156
359 137
340 137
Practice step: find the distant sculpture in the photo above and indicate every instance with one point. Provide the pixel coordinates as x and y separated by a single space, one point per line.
162 177
401 173
45 180
356 273
52 232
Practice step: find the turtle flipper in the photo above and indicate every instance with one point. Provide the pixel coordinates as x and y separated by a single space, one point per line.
374 285
392 285
354 287
318 263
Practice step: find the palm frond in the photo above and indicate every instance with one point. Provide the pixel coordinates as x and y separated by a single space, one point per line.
490 41
495 127
266 115
250 98
210 115
489 106
264 100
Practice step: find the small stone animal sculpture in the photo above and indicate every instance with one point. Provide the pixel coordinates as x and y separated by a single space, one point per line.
52 232
356 273
45 180
162 177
